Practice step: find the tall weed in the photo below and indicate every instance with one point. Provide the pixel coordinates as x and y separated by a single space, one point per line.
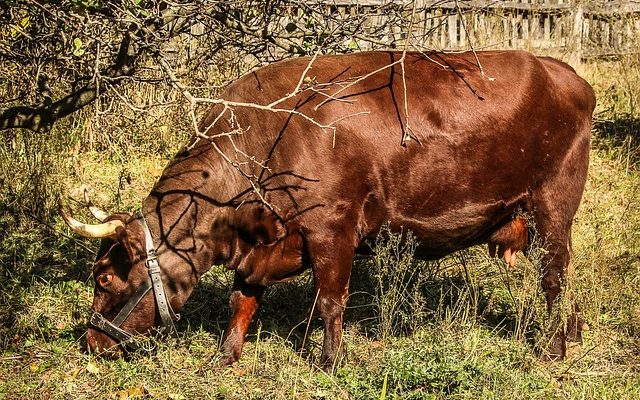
399 301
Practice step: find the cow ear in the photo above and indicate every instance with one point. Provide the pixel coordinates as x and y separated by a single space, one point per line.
130 238
259 225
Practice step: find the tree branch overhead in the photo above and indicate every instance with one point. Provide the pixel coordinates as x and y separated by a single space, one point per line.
100 45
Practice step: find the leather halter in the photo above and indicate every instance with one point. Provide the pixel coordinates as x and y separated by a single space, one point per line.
112 328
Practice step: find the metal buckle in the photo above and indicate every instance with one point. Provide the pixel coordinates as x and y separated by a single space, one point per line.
152 256
150 259
121 337
97 321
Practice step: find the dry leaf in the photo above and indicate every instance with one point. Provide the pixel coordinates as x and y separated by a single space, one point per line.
92 368
130 393
73 374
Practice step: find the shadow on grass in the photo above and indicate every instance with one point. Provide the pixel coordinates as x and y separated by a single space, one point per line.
446 295
32 256
622 133
285 308
283 311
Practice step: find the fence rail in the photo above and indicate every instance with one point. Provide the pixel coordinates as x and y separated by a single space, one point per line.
586 28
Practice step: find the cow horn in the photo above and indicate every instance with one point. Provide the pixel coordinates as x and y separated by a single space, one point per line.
98 231
95 211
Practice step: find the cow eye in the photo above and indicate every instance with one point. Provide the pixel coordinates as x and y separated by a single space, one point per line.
105 279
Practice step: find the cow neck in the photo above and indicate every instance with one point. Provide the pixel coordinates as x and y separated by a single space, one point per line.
185 268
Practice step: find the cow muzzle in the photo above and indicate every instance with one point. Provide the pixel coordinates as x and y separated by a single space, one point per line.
100 343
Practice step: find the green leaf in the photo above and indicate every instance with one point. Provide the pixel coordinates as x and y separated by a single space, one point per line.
78 50
383 393
353 45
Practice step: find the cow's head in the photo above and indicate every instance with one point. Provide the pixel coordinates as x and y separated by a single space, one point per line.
119 271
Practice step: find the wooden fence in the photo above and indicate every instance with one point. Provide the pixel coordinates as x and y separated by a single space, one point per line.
583 28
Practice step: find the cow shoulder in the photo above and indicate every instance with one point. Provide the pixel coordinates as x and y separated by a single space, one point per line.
272 251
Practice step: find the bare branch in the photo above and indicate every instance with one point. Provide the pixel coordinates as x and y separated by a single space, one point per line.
39 118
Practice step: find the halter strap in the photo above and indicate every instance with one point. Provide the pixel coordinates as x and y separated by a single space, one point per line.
164 307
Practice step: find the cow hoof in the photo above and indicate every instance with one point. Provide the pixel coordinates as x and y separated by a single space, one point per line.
226 361
330 364
555 351
546 356
575 326
327 367
574 335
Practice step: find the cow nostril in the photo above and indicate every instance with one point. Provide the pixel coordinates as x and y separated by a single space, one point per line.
92 341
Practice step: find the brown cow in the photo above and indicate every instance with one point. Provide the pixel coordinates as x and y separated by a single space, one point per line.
473 150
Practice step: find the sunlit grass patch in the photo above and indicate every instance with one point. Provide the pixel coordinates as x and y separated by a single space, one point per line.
115 183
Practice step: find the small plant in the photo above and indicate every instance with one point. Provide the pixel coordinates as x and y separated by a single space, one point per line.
398 298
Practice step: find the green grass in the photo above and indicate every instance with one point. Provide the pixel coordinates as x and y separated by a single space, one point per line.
471 336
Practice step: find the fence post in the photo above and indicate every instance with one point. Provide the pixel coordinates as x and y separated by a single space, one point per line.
576 35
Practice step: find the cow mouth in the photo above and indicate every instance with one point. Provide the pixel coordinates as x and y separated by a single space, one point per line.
101 344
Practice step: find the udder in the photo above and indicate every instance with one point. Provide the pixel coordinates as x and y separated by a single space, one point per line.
509 239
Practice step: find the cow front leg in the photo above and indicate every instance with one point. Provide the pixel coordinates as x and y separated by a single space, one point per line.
332 291
331 308
244 303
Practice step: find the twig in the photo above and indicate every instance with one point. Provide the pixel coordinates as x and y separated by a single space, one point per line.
473 50
355 82
408 132
300 82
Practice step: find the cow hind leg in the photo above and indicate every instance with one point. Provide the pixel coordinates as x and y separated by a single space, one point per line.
554 206
554 276
556 270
